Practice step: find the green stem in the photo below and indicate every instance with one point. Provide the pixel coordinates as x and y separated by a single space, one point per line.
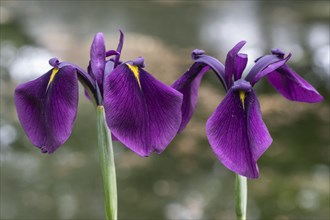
107 164
241 196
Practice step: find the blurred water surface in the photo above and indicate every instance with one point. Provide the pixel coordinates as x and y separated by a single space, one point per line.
186 181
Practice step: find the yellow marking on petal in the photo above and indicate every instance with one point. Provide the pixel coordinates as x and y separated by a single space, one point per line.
52 76
242 97
135 70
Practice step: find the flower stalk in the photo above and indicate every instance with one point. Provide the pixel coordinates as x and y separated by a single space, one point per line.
241 196
107 165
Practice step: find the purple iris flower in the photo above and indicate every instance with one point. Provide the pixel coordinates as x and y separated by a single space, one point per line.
142 112
235 130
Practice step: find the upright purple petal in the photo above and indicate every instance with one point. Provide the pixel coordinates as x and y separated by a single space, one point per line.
119 48
142 112
237 134
97 63
235 63
241 61
188 85
292 86
47 107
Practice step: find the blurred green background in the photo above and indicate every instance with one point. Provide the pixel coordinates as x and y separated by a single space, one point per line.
186 181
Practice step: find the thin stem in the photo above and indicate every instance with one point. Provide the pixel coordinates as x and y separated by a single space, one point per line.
241 196
107 165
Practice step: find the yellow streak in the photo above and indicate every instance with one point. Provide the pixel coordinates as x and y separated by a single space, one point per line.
135 70
242 97
52 76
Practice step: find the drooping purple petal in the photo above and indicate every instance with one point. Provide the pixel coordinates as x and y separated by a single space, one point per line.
259 136
142 112
278 52
235 63
218 68
97 62
84 77
188 85
237 134
47 107
265 65
110 53
292 86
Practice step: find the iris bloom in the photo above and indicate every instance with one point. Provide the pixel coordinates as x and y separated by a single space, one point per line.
235 130
142 112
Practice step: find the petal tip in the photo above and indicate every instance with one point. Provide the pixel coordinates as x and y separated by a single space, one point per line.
196 53
237 47
99 35
54 62
278 52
